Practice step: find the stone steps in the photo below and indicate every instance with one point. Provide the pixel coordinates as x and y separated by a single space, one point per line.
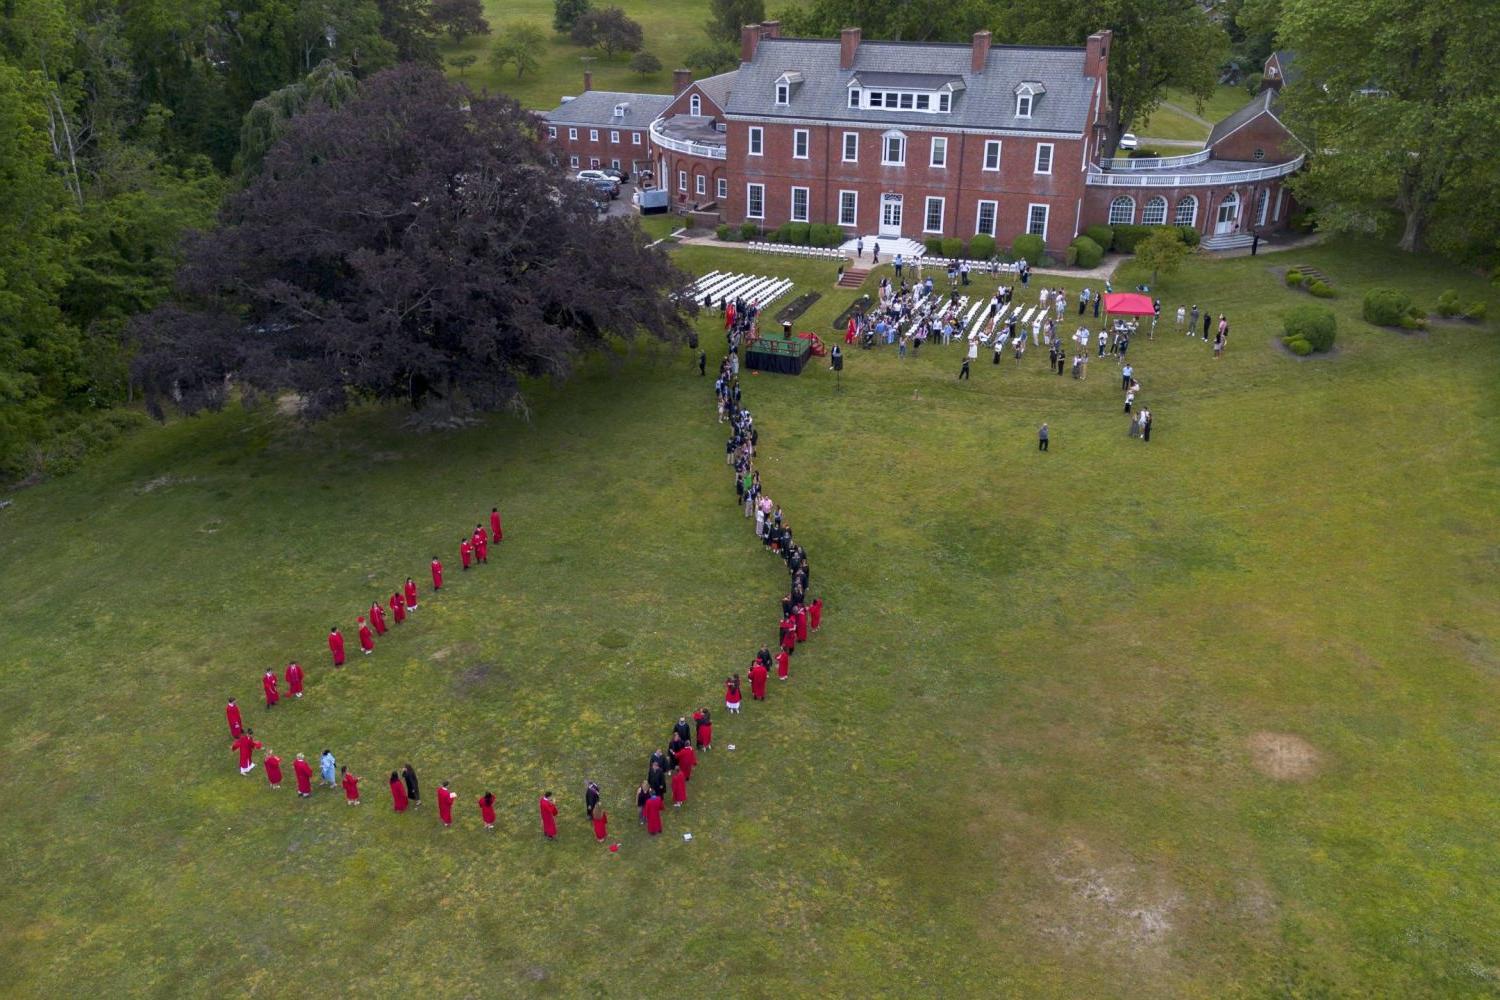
853 277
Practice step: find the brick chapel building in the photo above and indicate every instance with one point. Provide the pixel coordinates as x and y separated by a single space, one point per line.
921 139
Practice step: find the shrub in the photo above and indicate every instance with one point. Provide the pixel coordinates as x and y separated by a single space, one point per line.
934 245
1126 237
1089 251
1070 256
1302 220
1297 346
1311 323
1476 311
953 247
1046 261
1102 235
1190 236
1386 306
1412 321
749 230
1293 278
1030 248
982 247
822 234
1322 290
796 233
727 233
1447 304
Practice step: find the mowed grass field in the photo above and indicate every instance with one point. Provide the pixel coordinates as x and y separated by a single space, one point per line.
1210 716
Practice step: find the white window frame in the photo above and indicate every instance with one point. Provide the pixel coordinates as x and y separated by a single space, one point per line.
845 151
614 137
552 131
885 149
938 157
806 204
593 135
1177 211
573 134
853 216
803 137
1262 206
942 209
1122 211
1154 200
945 102
979 218
752 192
682 180
783 94
573 161
700 185
990 144
854 97
615 163
756 141
1046 217
721 187
635 138
695 106
1037 165
1024 102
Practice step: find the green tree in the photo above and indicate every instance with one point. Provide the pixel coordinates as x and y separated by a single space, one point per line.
608 30
460 18
715 57
1402 118
520 46
565 14
645 63
328 84
1163 251
463 62
726 17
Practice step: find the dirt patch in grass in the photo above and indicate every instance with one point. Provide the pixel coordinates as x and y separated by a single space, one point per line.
1474 649
475 676
1113 908
160 483
798 306
1284 757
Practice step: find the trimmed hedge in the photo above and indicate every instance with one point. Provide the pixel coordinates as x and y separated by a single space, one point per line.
1312 324
1126 237
824 234
953 247
1030 248
1386 306
1476 311
1089 251
749 230
727 233
981 247
1070 256
1447 304
1298 346
1190 236
1321 290
1293 278
1102 235
934 245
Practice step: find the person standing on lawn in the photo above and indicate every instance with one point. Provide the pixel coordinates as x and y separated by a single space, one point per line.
600 819
366 641
411 594
294 679
377 618
548 810
246 746
703 729
437 574
273 768
465 551
652 812
329 768
496 535
732 694
445 805
1041 438
232 715
268 684
351 788
590 798
336 646
398 793
413 790
758 681
679 788
487 810
398 607
303 770
481 544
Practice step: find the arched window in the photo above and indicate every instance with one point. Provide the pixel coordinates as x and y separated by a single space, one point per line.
1155 212
1122 211
1229 212
695 106
1187 212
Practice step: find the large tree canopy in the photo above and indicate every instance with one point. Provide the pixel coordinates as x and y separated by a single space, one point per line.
1399 99
1157 43
413 244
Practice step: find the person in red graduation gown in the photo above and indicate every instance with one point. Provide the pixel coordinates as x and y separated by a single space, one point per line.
601 824
294 678
495 532
800 614
815 614
789 635
268 684
273 769
487 810
679 788
465 551
653 810
703 729
548 810
304 772
732 694
437 574
687 759
411 594
758 681
336 646
481 544
366 640
445 804
351 787
398 607
246 745
398 793
377 618
232 715
783 664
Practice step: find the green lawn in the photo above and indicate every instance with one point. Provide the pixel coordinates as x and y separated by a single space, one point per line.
671 30
1169 121
1020 760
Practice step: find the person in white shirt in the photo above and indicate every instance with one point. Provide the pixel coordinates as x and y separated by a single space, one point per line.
1103 342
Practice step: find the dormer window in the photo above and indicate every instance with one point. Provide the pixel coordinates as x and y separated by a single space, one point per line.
1026 95
620 110
854 97
783 94
945 101
695 106
784 85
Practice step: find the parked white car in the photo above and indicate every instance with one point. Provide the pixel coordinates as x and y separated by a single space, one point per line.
1129 141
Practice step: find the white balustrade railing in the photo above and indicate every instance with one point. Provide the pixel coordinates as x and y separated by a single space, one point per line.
686 145
1124 163
1167 179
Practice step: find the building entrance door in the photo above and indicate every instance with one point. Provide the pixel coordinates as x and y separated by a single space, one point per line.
890 215
1229 210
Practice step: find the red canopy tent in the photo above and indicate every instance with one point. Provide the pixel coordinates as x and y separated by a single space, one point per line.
1129 304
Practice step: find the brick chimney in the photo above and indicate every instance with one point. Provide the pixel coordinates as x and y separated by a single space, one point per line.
980 54
588 81
681 80
749 39
770 29
1096 55
848 45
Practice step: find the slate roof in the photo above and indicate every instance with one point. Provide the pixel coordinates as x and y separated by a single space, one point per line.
908 81
596 108
717 88
988 102
1259 105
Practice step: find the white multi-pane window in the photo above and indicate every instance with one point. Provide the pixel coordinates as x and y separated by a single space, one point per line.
984 223
1122 211
593 135
1187 212
682 180
1155 212
799 144
848 208
635 138
893 150
932 219
939 152
757 140
851 147
722 187
552 131
1044 157
700 184
992 154
695 106
614 136
755 201
799 204
1036 221
573 134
